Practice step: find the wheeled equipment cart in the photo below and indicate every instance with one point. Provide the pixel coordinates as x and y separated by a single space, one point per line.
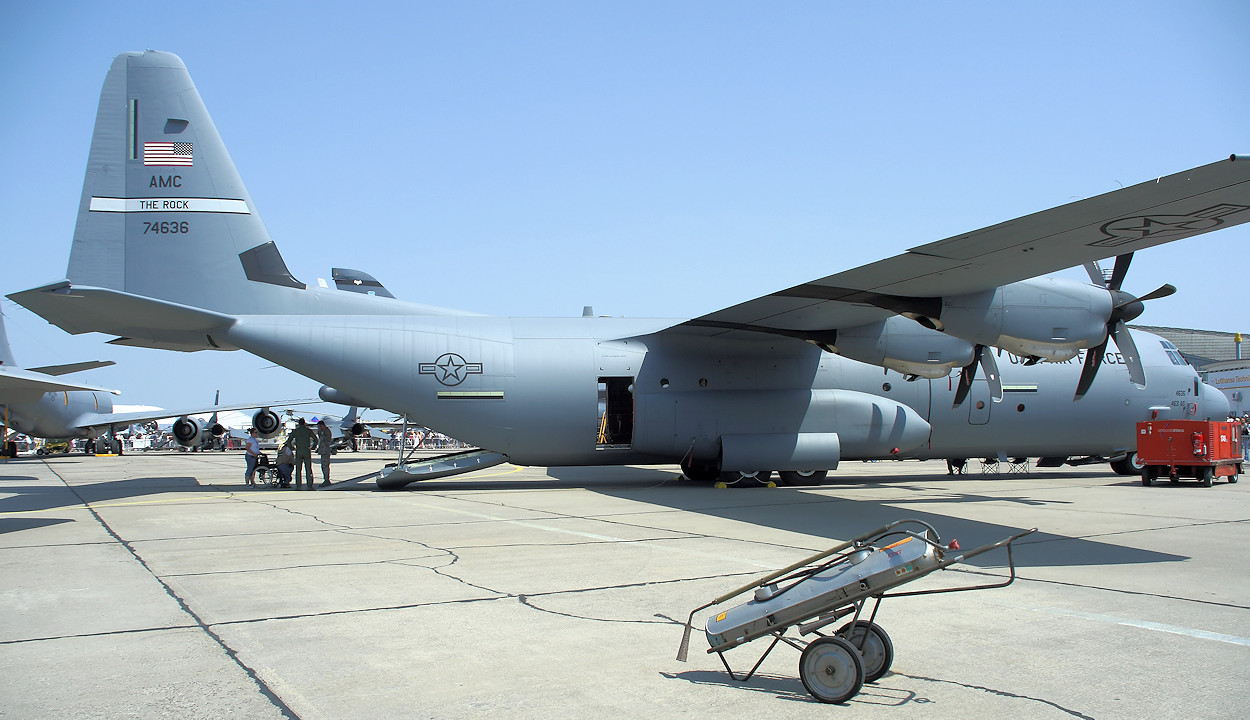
817 592
1200 449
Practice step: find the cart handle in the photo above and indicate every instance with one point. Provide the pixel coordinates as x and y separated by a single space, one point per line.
947 562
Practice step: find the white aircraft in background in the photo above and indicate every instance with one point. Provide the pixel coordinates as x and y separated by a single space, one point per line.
36 402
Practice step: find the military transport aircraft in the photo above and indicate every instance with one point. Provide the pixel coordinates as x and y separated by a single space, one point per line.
953 349
38 404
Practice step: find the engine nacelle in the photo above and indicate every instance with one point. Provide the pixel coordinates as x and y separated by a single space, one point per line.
900 344
267 423
188 431
358 429
1047 318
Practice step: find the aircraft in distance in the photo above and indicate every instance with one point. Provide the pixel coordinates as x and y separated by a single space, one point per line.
343 431
900 358
38 404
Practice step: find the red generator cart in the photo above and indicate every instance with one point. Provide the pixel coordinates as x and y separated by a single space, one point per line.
1200 449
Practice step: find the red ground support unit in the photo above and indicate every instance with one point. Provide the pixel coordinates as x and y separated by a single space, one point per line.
1201 449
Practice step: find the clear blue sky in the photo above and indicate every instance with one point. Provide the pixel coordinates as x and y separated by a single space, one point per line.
647 158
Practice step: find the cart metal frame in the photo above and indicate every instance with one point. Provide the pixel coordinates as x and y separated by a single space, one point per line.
845 653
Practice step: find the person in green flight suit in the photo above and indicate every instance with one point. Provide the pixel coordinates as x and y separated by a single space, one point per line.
302 439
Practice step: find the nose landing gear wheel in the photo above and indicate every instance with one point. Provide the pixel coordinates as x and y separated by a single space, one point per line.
874 646
831 670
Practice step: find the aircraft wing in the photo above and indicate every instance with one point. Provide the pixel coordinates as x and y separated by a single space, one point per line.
68 368
29 381
1158 211
89 420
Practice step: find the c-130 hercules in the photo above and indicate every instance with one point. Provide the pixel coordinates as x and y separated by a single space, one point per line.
791 382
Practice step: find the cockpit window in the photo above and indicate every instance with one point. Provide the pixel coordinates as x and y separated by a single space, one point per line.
1173 354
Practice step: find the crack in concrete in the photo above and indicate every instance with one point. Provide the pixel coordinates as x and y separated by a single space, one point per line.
1118 591
102 633
999 693
233 654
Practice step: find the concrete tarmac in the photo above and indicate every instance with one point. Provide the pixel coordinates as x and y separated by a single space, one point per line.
156 585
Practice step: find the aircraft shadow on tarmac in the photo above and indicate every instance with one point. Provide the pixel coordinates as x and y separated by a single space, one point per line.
8 525
837 517
558 478
842 516
34 497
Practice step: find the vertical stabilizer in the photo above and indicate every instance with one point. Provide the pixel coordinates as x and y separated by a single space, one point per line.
164 213
6 354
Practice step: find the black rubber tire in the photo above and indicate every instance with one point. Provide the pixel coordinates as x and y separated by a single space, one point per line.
877 652
831 670
801 478
753 478
1148 475
1205 476
1127 466
700 473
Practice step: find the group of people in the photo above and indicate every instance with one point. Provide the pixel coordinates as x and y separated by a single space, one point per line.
295 456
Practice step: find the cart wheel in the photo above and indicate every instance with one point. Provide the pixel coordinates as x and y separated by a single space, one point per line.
1232 478
831 670
1148 475
1205 475
875 648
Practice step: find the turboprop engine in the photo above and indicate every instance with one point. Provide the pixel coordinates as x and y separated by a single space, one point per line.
189 431
900 344
1048 319
267 423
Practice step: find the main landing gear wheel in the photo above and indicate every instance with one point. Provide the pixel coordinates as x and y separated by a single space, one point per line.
746 478
801 478
874 646
699 473
831 670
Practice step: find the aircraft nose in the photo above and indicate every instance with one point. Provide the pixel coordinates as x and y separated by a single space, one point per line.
1214 403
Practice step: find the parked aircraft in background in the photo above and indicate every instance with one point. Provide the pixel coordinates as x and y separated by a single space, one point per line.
953 349
37 403
344 431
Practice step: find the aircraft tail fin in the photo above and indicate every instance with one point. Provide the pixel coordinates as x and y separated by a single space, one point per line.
6 353
169 249
164 213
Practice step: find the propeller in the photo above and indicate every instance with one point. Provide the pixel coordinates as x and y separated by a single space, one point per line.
969 373
1125 307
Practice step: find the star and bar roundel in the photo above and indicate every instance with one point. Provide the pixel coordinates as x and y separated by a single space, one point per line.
450 369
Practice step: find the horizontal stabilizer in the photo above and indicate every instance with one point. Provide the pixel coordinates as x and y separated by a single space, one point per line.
77 310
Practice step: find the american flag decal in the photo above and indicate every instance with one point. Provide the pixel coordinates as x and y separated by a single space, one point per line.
167 153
